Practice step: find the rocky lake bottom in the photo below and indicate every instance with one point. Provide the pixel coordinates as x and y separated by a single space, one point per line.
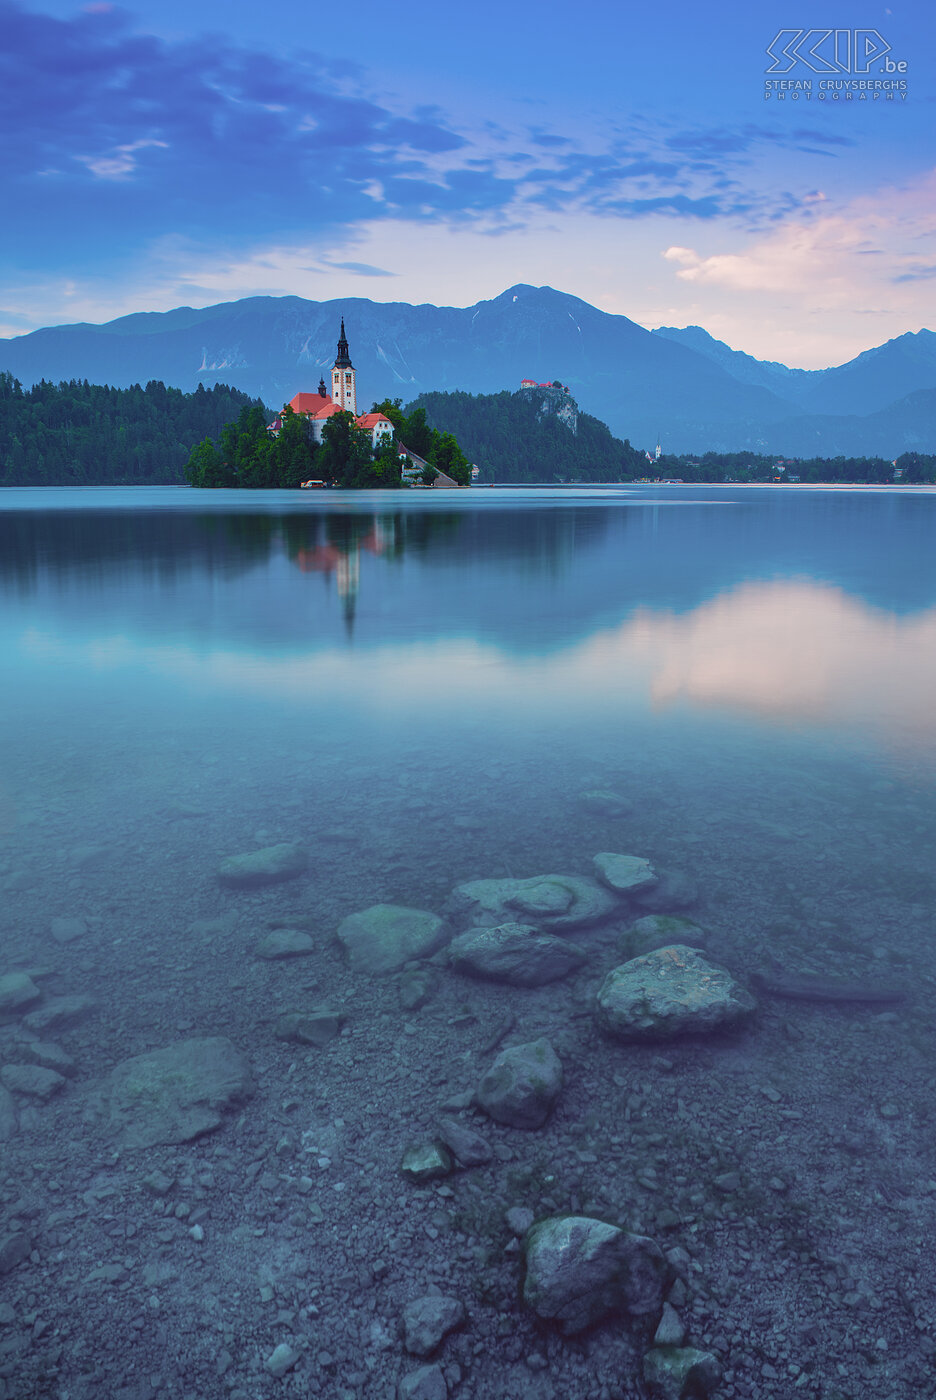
230 1137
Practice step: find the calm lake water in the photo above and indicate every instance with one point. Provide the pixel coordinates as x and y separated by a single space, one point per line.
424 690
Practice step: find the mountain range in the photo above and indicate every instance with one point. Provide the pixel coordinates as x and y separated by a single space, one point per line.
678 386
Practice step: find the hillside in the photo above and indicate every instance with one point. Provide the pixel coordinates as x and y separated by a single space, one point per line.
81 434
532 435
639 383
877 381
681 387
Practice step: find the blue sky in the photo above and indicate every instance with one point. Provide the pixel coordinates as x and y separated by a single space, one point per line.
180 154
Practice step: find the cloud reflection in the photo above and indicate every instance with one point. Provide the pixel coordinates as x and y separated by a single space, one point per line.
795 653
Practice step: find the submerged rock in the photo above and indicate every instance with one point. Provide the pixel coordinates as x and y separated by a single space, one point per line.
516 954
281 1359
385 936
67 930
268 866
605 802
59 1012
49 1055
673 890
416 986
428 1383
672 991
17 989
628 875
14 1248
578 1270
8 1118
426 1161
179 1093
469 1148
522 1085
670 1331
315 1027
427 1320
548 901
32 1080
657 930
680 1373
285 943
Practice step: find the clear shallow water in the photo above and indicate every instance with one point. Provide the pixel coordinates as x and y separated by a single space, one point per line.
422 694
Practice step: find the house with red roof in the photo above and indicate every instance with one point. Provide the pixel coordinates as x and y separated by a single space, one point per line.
317 408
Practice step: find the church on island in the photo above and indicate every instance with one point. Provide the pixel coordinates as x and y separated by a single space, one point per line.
316 409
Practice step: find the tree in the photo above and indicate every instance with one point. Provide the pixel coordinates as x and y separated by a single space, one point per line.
417 434
448 457
386 466
393 409
206 467
345 456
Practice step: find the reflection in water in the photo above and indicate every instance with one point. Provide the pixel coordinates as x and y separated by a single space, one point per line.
180 688
332 544
793 653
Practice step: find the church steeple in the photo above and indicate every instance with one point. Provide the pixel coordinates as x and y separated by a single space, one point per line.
344 389
343 360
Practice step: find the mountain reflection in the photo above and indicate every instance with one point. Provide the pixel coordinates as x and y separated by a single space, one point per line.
792 653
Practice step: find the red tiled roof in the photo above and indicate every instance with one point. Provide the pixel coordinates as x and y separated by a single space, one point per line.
308 403
328 410
370 420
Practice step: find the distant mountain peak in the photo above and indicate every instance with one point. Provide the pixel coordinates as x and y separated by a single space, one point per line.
693 390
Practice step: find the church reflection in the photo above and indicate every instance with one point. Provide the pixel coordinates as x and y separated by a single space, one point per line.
338 556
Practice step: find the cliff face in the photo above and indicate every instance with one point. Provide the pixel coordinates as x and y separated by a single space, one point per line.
553 402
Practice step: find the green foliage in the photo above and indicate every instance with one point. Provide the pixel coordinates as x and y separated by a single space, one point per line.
393 409
509 441
744 467
250 457
440 450
449 458
345 456
206 466
77 433
417 434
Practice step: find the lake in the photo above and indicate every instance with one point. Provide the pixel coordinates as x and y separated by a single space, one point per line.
421 690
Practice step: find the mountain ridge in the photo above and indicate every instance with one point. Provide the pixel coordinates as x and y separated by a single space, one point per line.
643 384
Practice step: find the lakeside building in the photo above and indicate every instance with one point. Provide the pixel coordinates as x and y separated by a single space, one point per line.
317 408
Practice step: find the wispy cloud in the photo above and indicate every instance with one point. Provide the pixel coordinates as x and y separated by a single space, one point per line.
196 134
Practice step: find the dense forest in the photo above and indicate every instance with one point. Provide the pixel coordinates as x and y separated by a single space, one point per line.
913 468
510 442
247 455
84 434
81 434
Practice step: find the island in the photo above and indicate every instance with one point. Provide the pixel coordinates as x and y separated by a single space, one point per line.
319 439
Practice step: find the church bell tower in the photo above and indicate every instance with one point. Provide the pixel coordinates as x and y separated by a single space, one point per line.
344 389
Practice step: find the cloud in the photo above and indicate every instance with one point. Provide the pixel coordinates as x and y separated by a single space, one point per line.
872 242
144 137
121 162
804 292
784 652
197 130
362 269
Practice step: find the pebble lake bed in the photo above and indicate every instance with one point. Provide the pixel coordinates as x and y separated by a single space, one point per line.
476 950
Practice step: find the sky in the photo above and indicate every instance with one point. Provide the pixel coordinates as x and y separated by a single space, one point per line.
183 154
